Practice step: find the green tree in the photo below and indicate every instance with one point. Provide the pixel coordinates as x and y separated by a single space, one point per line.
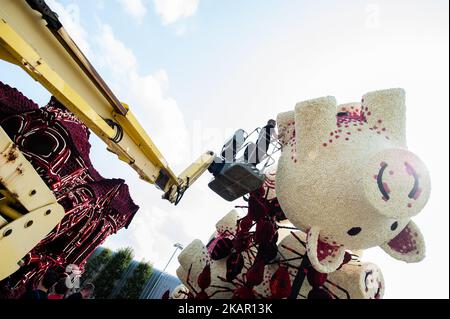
135 283
111 273
95 265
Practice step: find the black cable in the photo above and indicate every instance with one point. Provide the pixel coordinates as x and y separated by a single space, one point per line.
300 277
181 191
119 130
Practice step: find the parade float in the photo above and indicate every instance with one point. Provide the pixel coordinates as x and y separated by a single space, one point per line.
345 182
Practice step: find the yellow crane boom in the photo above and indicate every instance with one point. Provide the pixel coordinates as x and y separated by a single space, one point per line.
32 38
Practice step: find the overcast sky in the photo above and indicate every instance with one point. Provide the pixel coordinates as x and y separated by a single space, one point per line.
196 70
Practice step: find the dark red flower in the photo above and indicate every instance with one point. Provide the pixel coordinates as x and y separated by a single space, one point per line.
166 295
245 224
235 263
221 249
190 295
243 292
241 241
267 252
265 231
204 279
280 283
315 278
257 208
275 210
202 295
319 293
255 274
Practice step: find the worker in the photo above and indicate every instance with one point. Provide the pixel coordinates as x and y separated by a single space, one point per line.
47 282
60 290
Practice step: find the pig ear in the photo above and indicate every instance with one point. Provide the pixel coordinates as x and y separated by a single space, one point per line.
325 258
408 245
386 110
314 120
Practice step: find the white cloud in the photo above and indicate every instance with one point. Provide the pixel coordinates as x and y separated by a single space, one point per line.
180 30
173 10
100 4
136 8
154 231
147 96
113 54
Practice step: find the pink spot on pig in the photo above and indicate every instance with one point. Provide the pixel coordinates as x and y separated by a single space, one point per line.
404 242
325 250
409 169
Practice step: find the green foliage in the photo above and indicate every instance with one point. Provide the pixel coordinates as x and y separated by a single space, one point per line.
135 283
106 280
94 264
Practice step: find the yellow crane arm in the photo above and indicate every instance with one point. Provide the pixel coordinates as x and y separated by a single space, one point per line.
37 42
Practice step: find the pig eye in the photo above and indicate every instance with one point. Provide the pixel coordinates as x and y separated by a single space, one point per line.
394 226
354 231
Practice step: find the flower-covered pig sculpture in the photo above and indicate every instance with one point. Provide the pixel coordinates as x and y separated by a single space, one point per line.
345 182
349 181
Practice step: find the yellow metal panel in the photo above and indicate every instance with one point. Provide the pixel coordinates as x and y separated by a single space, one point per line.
189 176
20 236
196 169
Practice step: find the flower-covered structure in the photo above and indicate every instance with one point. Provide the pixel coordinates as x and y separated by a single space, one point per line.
345 182
56 143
